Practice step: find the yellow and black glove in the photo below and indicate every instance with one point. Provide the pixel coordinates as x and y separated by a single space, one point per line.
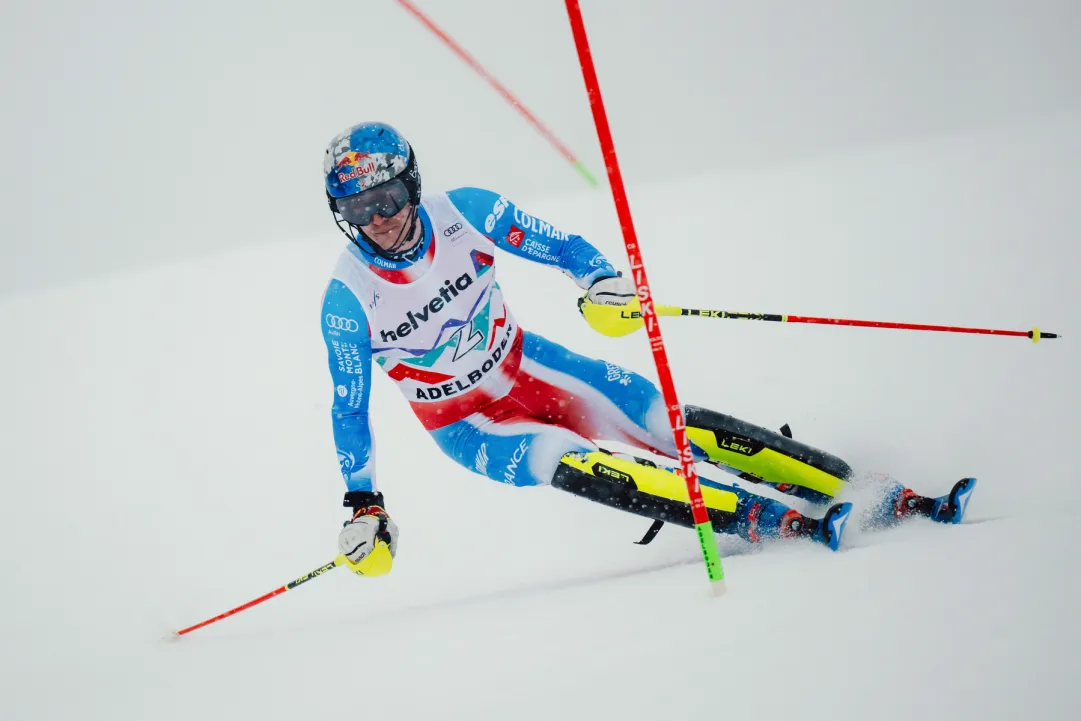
611 290
369 539
610 306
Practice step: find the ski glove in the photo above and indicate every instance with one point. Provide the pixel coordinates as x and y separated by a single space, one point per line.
613 290
369 539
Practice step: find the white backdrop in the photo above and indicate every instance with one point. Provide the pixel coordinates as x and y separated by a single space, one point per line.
134 132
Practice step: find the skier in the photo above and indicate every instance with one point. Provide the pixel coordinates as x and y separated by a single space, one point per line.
415 289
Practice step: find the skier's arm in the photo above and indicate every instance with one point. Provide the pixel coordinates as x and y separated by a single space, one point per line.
369 538
531 238
349 351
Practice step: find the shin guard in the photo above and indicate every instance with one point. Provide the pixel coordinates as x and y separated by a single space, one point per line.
763 455
641 489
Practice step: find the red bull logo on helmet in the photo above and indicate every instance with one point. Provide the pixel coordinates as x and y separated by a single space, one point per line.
353 165
357 170
352 158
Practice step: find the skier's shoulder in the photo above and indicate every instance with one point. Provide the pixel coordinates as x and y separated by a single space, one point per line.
470 197
348 284
480 206
342 316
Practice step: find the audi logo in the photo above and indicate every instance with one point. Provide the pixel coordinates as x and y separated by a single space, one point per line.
337 322
452 230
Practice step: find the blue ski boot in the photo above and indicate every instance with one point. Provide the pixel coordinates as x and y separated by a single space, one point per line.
951 507
904 503
832 526
828 530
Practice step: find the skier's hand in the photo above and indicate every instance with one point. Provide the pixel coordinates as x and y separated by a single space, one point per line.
613 290
610 306
369 539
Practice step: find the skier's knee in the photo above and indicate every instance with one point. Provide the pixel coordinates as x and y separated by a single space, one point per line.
535 459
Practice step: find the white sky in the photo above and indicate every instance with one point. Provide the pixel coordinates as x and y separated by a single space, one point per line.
135 132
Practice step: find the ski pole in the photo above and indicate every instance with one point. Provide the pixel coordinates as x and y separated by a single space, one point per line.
615 321
339 561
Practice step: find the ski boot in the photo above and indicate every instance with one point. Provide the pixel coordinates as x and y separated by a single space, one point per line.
951 507
944 509
827 531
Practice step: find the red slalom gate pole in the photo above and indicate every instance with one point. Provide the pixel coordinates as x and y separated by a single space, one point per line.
499 88
699 513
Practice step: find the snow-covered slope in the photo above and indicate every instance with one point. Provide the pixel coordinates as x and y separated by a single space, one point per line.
167 455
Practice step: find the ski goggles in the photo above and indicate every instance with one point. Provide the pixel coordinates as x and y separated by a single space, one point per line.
386 199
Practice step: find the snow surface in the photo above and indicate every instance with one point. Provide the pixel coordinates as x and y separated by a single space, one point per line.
168 456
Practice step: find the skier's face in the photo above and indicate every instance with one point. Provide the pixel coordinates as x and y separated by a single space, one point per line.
386 232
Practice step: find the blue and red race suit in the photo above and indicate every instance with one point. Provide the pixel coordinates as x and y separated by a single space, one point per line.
503 402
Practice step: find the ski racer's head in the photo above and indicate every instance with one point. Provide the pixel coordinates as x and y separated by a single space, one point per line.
373 187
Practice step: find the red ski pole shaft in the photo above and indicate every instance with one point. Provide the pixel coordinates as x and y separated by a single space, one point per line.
1035 334
266 597
706 539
